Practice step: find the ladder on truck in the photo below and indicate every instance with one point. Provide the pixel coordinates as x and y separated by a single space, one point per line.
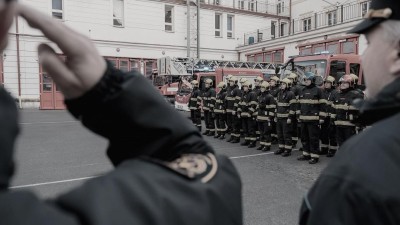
188 66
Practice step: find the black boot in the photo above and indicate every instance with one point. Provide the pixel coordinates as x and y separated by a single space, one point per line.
287 153
245 143
279 151
304 158
324 151
260 148
330 154
313 160
266 149
217 136
230 139
235 140
252 144
222 137
206 133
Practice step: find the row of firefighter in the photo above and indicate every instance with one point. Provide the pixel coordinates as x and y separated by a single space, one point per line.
280 112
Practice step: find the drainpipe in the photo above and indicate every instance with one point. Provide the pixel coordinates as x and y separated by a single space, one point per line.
18 62
188 28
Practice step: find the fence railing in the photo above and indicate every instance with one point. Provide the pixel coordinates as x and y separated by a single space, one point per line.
338 15
260 6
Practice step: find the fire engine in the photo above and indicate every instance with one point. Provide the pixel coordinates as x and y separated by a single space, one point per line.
216 70
324 64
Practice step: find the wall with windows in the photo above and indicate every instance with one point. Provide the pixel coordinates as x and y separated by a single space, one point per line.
132 34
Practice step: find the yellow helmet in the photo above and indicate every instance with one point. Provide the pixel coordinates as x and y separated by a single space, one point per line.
330 79
194 82
259 79
286 81
264 84
229 77
246 83
275 78
242 80
234 79
209 81
355 77
221 84
292 76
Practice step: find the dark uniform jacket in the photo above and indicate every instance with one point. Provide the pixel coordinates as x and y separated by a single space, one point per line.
275 91
344 112
232 99
209 99
361 185
165 172
310 104
195 99
221 103
248 104
328 98
286 106
257 90
297 89
266 107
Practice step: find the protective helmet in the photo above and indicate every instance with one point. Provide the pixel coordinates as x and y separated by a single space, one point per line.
242 80
194 83
209 81
310 76
259 79
221 85
234 79
265 84
287 81
246 83
355 78
292 76
229 76
275 78
330 79
347 79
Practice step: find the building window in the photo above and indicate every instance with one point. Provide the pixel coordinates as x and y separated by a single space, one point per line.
283 29
348 47
57 9
332 18
218 25
241 4
307 24
169 18
273 29
118 13
280 7
364 8
230 26
251 5
216 2
259 58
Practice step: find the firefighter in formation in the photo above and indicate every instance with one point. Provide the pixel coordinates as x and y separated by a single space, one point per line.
195 105
279 107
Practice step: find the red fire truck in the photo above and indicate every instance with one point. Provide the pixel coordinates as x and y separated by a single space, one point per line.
324 64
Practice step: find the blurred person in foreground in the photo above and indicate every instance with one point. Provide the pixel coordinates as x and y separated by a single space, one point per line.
361 185
165 173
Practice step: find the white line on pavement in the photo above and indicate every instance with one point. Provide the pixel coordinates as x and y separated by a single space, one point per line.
87 178
59 122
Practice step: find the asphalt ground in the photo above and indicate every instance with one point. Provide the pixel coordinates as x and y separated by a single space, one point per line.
55 153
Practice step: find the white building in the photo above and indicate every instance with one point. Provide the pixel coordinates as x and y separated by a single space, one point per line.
134 33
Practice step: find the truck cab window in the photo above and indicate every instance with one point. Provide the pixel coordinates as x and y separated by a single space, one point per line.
338 69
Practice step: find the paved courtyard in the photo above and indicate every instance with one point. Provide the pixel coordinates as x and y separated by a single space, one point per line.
55 153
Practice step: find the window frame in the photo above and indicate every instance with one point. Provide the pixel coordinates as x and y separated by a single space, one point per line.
282 28
251 5
307 24
220 30
241 4
172 8
62 11
232 31
329 15
280 7
119 18
365 10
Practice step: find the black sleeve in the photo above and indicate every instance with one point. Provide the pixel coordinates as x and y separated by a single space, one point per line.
333 200
127 110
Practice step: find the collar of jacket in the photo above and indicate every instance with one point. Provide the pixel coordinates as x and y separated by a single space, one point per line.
386 104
